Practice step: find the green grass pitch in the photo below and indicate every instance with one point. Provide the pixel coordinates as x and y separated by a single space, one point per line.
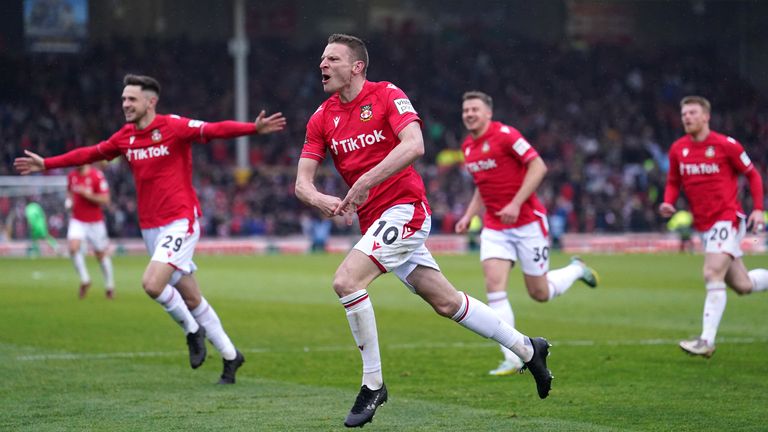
121 365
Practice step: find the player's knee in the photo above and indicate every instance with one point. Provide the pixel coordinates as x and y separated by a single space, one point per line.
152 286
742 289
344 285
539 295
192 301
742 292
494 284
710 274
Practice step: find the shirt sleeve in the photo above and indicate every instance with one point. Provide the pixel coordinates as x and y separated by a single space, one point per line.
400 111
672 189
202 131
186 129
314 142
517 146
105 150
226 129
737 156
739 159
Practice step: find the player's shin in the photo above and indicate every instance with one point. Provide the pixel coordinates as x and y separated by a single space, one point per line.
209 320
362 322
78 260
106 270
714 306
171 300
563 278
499 302
481 319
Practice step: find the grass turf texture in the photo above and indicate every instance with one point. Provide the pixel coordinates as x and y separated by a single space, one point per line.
121 365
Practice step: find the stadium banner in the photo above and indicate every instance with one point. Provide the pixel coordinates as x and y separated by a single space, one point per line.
55 26
600 21
439 245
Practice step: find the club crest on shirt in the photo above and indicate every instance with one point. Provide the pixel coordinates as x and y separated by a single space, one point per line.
366 112
130 141
156 135
486 147
685 152
710 152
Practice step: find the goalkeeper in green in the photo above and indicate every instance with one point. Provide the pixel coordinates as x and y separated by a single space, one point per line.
38 229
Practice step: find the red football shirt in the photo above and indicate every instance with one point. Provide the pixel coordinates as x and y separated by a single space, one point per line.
498 162
708 172
160 158
94 182
359 135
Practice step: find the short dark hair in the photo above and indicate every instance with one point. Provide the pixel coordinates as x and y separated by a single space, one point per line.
474 94
355 44
143 81
705 105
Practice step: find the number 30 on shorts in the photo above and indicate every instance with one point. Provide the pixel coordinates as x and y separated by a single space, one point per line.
390 234
176 243
540 253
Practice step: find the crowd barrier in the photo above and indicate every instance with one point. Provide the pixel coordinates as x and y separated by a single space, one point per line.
438 244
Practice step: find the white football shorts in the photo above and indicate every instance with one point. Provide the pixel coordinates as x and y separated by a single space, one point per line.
527 244
723 237
173 244
395 241
94 233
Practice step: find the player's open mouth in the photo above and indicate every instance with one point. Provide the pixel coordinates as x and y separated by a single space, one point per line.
326 78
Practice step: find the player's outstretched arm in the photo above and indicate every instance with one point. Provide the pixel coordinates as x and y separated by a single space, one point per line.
80 156
266 125
31 164
231 129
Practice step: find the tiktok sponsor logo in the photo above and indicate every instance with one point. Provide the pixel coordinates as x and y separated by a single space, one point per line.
349 145
146 153
481 165
699 169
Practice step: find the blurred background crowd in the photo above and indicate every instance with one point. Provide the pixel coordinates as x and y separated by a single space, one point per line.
602 116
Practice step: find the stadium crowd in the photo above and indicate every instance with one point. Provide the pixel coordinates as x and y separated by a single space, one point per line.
601 117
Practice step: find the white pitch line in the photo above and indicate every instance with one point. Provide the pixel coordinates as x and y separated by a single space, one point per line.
409 346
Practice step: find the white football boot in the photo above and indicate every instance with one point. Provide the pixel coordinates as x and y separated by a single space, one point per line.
698 346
